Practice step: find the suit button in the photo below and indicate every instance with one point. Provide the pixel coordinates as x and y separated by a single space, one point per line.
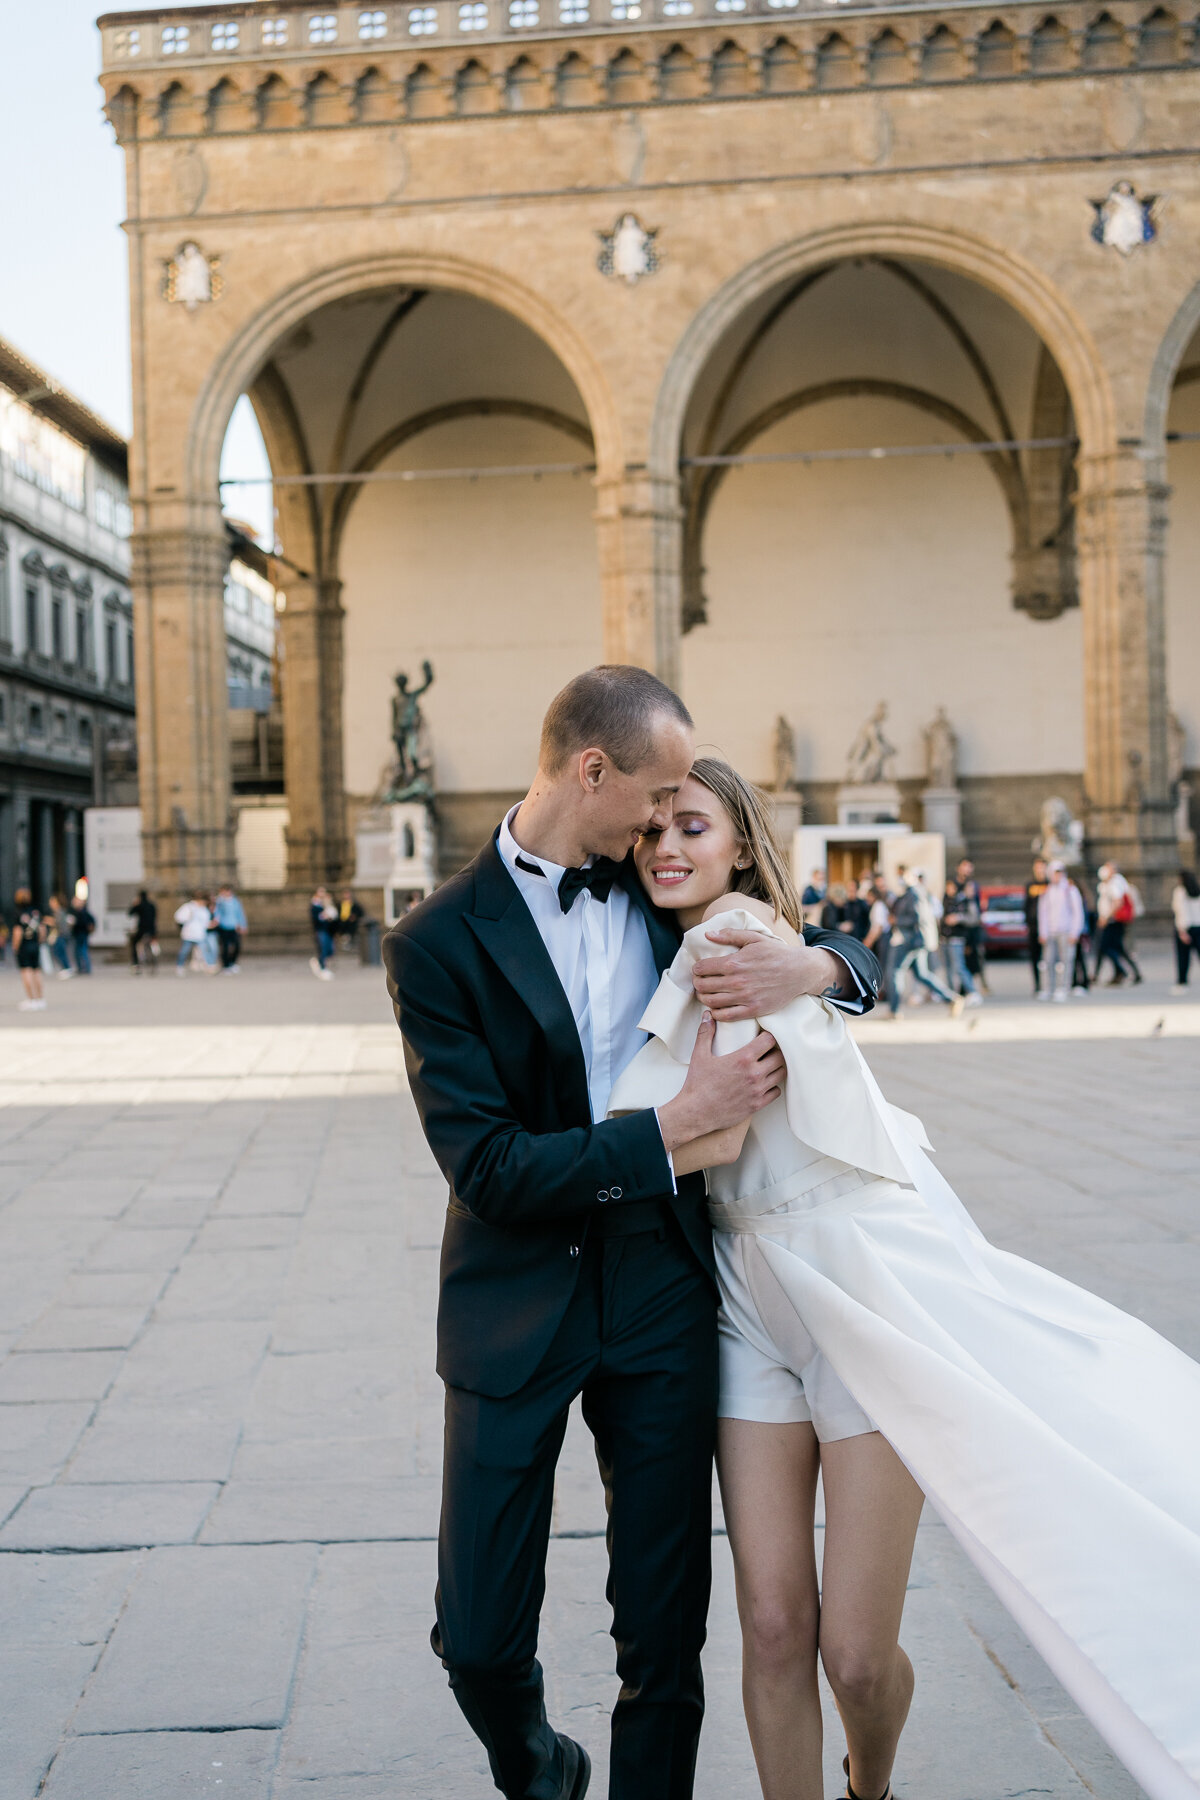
615 1193
574 1249
603 1194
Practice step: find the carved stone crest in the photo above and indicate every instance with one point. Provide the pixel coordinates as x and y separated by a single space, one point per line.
628 252
1125 220
190 278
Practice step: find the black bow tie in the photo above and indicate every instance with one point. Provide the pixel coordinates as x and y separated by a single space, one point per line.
598 879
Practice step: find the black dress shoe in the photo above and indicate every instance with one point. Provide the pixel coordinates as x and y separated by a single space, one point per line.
577 1765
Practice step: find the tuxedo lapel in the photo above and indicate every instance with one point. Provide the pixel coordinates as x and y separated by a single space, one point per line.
665 935
504 927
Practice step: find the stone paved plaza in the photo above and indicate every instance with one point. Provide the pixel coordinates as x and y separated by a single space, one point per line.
219 1425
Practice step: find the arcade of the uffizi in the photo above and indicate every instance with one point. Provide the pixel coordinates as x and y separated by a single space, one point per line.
805 353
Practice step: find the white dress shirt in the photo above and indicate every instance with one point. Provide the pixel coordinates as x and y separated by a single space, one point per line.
602 956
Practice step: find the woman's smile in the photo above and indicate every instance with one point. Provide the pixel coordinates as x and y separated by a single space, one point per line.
669 875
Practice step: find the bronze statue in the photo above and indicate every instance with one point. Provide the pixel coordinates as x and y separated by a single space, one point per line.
413 777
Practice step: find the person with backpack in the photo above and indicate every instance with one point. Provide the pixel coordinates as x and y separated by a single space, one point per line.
1117 909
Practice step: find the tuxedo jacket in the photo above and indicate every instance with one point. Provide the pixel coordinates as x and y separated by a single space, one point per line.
497 1071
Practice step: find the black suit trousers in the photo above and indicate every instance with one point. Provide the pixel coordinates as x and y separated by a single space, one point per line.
638 1342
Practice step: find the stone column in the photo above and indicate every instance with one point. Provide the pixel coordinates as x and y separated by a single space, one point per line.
179 563
312 732
1121 526
639 522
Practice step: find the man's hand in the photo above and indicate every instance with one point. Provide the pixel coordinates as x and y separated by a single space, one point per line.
765 976
722 1090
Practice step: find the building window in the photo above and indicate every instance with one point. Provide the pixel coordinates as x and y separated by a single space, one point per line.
225 37
37 720
85 733
5 620
60 726
110 650
57 634
33 635
176 39
572 12
129 657
626 9
322 28
422 21
677 9
83 636
372 24
731 5
128 42
3 712
275 31
473 16
522 13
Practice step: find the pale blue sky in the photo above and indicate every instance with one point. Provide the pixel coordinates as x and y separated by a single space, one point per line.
64 293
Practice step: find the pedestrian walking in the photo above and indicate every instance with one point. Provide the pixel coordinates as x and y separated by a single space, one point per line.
1185 909
143 930
1116 908
913 919
833 907
350 915
856 912
58 936
83 924
324 916
192 920
29 935
1035 887
1080 979
812 899
975 942
956 923
230 916
1060 927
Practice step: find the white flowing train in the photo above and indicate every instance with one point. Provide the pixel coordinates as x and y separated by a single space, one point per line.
1056 1436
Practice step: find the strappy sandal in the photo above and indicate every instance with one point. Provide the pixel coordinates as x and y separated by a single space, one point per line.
850 1793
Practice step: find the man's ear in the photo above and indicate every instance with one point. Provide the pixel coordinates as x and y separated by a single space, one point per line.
593 766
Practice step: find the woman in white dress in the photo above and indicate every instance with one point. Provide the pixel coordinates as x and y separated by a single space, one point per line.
869 1332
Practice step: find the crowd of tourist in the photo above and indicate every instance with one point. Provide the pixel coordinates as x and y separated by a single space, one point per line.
931 946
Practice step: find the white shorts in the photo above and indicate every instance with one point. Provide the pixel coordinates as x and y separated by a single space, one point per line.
756 1383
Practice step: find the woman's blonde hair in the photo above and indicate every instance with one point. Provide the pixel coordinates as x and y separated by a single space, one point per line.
768 877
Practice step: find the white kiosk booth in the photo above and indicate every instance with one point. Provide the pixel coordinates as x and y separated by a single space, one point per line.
846 852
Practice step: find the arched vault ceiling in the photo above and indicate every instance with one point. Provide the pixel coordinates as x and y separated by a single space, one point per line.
873 318
359 368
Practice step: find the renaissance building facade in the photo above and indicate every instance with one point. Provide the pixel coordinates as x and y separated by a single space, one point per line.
66 629
812 355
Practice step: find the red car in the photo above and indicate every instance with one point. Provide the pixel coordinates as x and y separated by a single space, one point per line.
1003 912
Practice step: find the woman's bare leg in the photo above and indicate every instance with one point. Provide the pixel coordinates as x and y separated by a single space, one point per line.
872 1505
768 1486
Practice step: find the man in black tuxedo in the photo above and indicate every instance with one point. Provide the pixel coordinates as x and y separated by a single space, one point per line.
577 1255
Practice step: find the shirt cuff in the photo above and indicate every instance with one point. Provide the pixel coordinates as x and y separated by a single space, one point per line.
667 1154
854 1005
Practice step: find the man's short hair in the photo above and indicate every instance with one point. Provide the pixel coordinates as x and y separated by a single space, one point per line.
615 708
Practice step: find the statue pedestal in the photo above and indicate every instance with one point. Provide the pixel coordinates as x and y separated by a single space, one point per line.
872 803
788 809
942 810
414 856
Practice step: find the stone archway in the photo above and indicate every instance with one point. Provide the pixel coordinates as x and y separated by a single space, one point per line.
312 521
1118 507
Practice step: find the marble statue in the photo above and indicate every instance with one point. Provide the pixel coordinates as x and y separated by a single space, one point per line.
1061 835
870 753
941 752
784 758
